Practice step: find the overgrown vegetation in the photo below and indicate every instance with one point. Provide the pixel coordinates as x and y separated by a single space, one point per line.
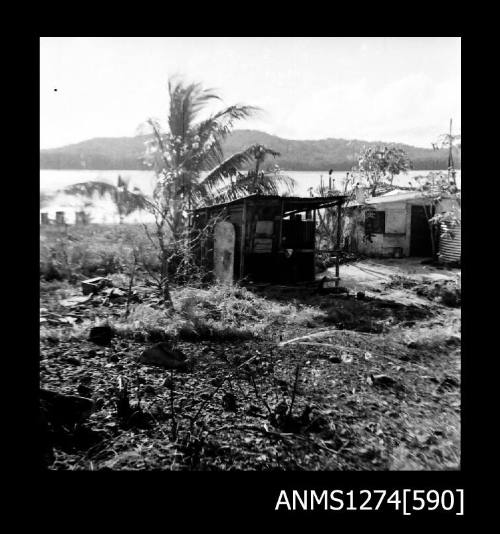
247 403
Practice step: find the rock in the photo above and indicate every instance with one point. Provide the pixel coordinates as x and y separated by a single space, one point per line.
334 359
453 341
164 355
94 285
383 381
229 402
101 335
448 383
360 295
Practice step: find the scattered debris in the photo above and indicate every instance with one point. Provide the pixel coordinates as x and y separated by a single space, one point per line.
75 301
114 292
94 285
447 292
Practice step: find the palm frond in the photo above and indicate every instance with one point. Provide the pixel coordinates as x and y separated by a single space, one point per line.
209 134
220 124
244 185
131 201
233 164
88 189
227 168
186 100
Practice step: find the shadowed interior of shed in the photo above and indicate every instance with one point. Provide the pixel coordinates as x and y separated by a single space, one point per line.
274 236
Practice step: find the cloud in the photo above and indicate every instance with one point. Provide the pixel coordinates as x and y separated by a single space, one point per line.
413 109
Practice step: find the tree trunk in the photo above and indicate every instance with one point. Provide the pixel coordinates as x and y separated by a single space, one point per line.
165 286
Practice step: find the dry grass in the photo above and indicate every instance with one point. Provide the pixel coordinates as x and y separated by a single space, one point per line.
83 251
218 312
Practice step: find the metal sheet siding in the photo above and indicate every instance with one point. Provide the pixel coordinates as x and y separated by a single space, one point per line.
450 248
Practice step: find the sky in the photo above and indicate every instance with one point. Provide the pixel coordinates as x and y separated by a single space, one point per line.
393 89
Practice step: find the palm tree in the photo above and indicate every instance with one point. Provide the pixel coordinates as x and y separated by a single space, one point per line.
188 159
126 201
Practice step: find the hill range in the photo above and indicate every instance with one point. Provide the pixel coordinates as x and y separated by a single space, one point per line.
124 153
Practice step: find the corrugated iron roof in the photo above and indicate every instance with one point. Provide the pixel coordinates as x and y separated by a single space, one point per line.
393 196
304 201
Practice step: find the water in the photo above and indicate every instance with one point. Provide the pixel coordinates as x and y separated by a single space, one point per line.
103 210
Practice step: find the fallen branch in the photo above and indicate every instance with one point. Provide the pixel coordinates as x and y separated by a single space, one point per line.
324 333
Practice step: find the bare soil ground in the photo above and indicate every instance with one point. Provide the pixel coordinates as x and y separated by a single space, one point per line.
375 386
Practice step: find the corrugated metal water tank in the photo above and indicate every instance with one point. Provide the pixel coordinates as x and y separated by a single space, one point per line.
450 246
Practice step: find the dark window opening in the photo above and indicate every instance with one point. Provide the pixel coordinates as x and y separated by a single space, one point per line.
374 222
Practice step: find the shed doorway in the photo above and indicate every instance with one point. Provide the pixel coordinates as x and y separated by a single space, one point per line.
420 236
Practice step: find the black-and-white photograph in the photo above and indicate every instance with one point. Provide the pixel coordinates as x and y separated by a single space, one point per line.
250 253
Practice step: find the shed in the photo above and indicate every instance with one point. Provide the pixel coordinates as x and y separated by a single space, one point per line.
274 236
393 225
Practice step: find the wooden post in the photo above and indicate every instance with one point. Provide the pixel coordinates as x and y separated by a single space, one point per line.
243 238
339 224
314 242
339 237
60 218
280 243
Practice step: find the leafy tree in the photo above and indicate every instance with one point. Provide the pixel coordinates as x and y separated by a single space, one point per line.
378 166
